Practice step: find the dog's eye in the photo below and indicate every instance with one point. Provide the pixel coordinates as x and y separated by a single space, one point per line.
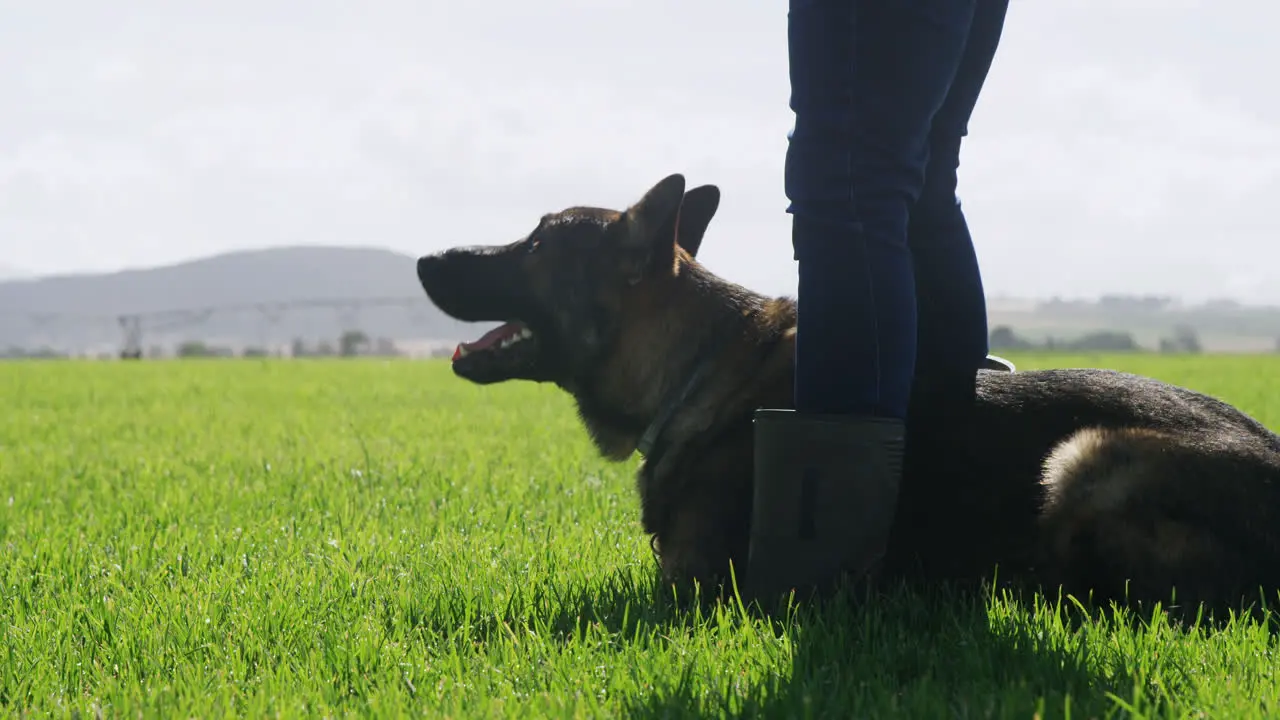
534 244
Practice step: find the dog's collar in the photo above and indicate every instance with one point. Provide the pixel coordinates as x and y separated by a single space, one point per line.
649 440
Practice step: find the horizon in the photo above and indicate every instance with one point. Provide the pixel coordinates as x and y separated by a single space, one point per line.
1113 151
1175 302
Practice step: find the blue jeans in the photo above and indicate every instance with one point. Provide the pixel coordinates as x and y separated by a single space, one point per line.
882 92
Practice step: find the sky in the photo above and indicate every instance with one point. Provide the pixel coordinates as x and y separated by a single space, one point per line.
1120 145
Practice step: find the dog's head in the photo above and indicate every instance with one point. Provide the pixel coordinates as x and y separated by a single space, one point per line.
561 290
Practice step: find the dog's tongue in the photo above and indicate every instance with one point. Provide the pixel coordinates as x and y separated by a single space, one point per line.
489 339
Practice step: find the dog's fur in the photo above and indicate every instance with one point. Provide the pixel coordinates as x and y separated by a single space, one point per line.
1098 481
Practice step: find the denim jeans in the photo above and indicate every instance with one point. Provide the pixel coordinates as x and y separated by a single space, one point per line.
882 92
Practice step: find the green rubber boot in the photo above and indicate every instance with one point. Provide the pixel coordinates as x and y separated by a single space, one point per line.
825 492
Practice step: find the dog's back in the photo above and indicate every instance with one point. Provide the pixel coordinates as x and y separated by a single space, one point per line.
1105 482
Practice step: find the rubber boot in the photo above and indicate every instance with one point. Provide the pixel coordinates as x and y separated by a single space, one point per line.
825 492
995 362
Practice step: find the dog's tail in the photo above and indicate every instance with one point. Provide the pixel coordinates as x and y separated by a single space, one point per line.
1135 511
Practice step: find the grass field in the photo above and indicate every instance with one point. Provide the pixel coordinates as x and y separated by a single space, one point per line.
330 538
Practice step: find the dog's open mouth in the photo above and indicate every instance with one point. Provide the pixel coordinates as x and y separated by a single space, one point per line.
496 340
501 354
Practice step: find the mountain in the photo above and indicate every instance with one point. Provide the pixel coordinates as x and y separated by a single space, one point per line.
243 298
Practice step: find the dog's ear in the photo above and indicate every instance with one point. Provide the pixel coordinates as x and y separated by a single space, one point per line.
651 225
699 206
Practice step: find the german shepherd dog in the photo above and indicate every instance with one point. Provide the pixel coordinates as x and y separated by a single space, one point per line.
1097 482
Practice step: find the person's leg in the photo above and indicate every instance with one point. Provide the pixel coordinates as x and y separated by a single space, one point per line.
952 339
867 76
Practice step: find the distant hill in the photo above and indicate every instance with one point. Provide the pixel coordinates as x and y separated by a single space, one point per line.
232 300
79 312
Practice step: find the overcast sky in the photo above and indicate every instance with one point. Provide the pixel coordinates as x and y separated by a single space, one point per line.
1121 145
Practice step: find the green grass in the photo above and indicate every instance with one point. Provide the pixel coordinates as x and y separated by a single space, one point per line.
312 538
